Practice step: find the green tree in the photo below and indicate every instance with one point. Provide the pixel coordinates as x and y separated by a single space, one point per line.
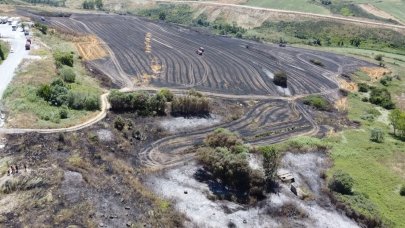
270 164
2 55
395 119
99 4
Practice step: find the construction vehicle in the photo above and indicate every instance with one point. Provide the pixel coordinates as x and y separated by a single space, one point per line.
200 51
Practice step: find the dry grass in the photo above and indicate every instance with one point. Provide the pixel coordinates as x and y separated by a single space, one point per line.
375 73
349 86
341 104
90 48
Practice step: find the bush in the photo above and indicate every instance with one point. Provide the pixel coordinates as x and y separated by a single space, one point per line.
377 135
379 57
363 87
167 94
381 97
280 79
317 102
119 123
385 81
142 103
190 106
63 58
341 182
316 62
223 138
42 28
402 190
63 113
67 74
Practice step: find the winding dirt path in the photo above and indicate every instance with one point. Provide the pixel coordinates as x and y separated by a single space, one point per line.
338 18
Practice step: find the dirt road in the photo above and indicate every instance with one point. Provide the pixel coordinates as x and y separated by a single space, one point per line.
17 43
337 18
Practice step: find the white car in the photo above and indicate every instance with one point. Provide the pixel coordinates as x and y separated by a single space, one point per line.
11 50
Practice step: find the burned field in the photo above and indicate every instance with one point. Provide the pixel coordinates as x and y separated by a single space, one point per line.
156 54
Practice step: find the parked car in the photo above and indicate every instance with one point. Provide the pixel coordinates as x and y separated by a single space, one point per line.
11 50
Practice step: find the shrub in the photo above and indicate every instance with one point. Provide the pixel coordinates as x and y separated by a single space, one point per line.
63 58
167 94
377 135
42 28
190 106
119 123
381 97
316 62
317 102
63 113
80 101
363 87
67 74
385 80
364 99
402 190
280 79
341 182
378 57
223 138
157 103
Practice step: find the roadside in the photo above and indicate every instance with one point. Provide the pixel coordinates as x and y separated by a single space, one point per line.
17 40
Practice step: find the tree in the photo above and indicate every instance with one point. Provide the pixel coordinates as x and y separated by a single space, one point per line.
167 94
377 135
341 182
394 118
270 164
280 79
99 4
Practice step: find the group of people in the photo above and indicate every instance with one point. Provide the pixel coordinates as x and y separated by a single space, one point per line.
13 169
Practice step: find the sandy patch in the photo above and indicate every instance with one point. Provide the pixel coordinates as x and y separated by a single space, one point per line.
375 73
90 47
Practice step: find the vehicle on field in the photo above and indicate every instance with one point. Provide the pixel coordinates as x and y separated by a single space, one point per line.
42 18
27 45
200 51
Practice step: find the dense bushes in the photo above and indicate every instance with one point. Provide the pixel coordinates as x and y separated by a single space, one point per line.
280 79
63 58
58 93
190 106
381 97
317 102
341 182
226 158
42 28
67 74
363 87
142 103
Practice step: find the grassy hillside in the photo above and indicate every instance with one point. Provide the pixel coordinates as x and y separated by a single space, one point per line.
296 5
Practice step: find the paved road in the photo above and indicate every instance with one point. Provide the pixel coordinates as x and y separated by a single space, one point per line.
353 20
8 67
